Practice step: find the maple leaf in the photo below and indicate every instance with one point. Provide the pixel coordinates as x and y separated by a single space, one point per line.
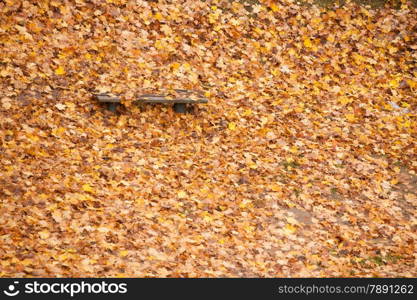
274 7
61 106
87 188
290 229
60 70
350 117
44 234
182 194
6 103
307 42
232 126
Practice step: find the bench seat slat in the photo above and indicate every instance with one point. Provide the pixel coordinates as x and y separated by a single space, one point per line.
151 99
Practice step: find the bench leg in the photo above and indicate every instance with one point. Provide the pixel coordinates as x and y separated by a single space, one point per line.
112 106
179 108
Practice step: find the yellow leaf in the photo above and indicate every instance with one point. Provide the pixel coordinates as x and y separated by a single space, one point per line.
58 131
330 38
275 187
249 228
182 194
394 83
159 45
247 112
274 7
315 21
158 16
293 149
87 188
175 66
166 30
59 71
232 126
260 32
290 229
277 102
140 202
392 49
57 215
345 100
290 204
214 16
358 58
406 123
123 253
405 104
394 181
207 217
26 262
186 66
350 117
308 43
32 137
412 83
292 52
252 164
244 204
44 234
299 108
363 139
4 73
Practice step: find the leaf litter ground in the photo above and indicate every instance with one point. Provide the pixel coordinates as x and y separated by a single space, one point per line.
302 164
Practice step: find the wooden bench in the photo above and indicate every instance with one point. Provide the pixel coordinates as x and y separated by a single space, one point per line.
184 97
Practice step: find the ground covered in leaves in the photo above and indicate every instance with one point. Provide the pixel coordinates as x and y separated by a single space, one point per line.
303 163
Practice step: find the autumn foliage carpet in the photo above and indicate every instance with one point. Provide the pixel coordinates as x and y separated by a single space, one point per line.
303 163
